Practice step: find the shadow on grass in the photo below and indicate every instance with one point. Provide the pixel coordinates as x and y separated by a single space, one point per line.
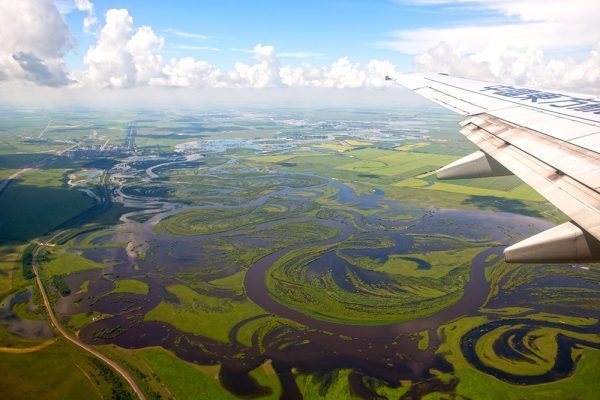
28 212
500 204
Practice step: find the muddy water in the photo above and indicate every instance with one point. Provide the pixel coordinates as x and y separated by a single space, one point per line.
387 352
26 328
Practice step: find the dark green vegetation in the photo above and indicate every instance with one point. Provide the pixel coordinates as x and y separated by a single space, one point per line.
273 259
27 262
24 204
59 284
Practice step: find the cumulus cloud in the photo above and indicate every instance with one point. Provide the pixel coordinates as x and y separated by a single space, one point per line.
342 74
525 68
515 52
35 37
125 56
261 75
90 20
37 71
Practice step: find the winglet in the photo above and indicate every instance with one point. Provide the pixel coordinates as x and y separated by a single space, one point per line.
562 244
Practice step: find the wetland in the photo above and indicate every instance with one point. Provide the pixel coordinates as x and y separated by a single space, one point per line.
329 264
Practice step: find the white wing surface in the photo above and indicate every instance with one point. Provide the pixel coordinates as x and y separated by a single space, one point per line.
550 140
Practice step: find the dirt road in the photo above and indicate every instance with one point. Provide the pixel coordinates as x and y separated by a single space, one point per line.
124 374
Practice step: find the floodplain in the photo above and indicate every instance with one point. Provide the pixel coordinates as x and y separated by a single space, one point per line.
284 253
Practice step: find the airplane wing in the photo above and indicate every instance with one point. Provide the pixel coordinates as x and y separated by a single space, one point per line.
550 140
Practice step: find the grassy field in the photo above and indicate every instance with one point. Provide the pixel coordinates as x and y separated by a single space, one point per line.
57 371
131 286
188 381
203 315
405 173
442 262
161 374
11 275
60 262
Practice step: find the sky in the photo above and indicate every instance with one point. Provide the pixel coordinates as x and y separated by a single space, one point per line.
105 47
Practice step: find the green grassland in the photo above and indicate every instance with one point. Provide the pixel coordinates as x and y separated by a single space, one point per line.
233 187
203 315
161 373
11 270
57 371
406 175
540 342
131 286
330 385
261 327
78 321
61 262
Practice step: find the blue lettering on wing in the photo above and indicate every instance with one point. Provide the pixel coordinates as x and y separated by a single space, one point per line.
551 99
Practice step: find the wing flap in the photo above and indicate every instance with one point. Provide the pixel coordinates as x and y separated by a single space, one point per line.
582 165
548 124
576 200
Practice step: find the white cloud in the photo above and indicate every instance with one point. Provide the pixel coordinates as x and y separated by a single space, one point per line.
187 72
526 68
128 57
187 35
299 54
553 25
35 37
90 20
110 62
342 74
84 5
261 75
200 48
515 51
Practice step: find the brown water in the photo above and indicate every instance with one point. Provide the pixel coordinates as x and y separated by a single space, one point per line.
386 352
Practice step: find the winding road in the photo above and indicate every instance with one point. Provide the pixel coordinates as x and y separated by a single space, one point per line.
116 367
